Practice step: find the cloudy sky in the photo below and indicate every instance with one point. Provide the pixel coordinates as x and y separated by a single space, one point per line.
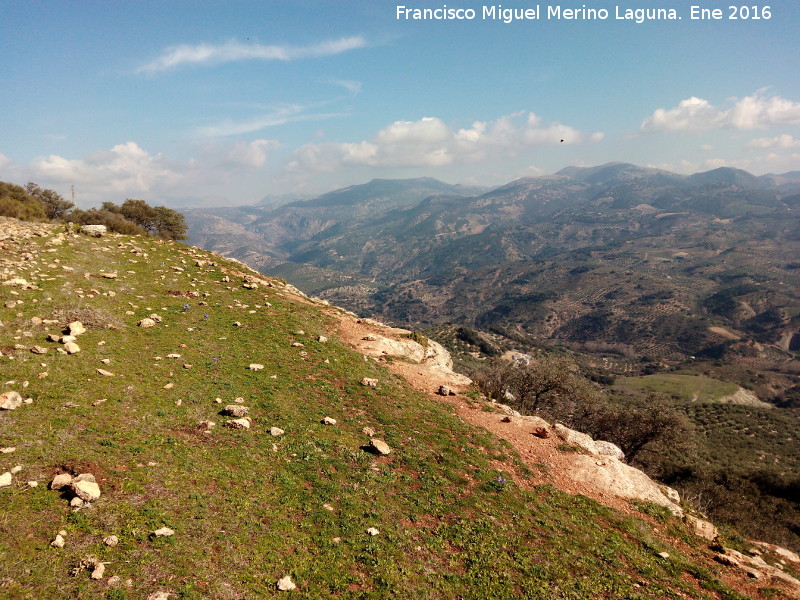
192 102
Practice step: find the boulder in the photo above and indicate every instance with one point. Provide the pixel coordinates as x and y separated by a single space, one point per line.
608 449
614 477
76 328
71 348
93 230
60 481
88 491
10 400
702 528
380 446
236 410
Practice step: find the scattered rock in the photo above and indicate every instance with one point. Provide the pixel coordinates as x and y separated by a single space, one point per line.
702 528
380 446
276 431
72 348
8 450
328 421
147 322
369 382
97 572
58 542
159 596
256 367
243 423
236 410
163 532
206 425
285 584
60 481
368 431
111 540
93 230
322 339
105 373
663 554
6 479
76 328
88 491
373 531
10 400
39 350
445 391
16 469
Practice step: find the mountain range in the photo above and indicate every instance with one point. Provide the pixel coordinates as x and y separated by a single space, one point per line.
644 263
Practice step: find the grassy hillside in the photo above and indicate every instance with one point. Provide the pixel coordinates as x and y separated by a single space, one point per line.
248 507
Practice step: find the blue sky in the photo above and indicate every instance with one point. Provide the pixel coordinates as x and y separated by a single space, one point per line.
222 103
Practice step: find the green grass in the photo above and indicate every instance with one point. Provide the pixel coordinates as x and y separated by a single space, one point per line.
247 507
688 388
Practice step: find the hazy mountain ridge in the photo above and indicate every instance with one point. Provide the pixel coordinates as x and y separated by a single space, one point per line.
613 254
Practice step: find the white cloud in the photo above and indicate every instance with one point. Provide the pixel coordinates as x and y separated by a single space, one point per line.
4 160
354 87
430 142
214 54
781 141
758 111
128 171
276 116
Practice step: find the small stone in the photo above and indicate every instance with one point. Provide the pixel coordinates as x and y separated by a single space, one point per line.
206 425
328 421
380 446
8 450
6 479
72 348
33 484
243 423
444 390
105 361
169 386
159 595
368 431
97 572
114 581
373 531
76 502
276 431
58 542
146 322
65 339
236 410
664 554
322 339
76 328
327 507
255 367
285 584
39 350
164 532
369 382
111 540
61 480
16 469
105 373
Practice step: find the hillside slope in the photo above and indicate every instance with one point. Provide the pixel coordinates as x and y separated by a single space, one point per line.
177 508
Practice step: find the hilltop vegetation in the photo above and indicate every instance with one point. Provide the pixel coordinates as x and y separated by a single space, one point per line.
32 203
454 512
